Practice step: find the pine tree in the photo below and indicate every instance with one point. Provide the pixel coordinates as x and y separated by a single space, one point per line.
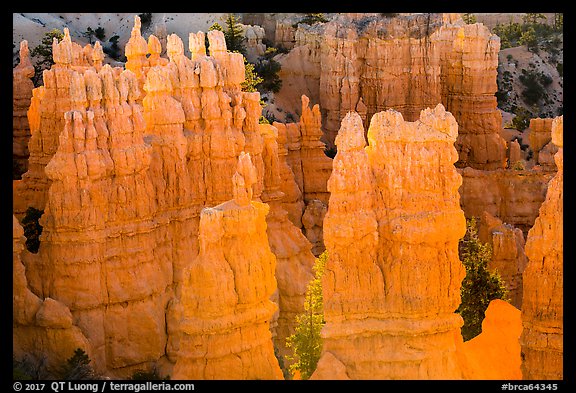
480 286
44 53
559 21
233 35
533 18
252 79
78 367
311 19
306 342
469 19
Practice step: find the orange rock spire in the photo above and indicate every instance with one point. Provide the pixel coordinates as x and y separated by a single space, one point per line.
226 291
542 308
393 276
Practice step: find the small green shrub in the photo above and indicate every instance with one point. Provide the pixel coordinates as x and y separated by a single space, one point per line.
522 119
469 19
152 375
311 19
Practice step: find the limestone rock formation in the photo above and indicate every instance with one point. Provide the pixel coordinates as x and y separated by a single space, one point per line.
292 250
253 36
369 63
542 308
514 153
40 321
312 223
305 152
99 220
316 166
470 60
226 291
540 138
508 257
514 196
392 280
494 353
293 201
138 155
46 117
22 87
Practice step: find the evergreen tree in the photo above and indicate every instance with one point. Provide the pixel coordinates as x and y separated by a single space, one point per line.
44 53
529 39
533 18
233 35
559 21
311 19
252 79
306 342
267 69
100 33
480 286
469 19
78 367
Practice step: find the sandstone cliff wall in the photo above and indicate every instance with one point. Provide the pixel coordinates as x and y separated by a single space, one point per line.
542 309
540 139
46 117
508 257
22 87
393 275
226 290
138 156
514 196
367 63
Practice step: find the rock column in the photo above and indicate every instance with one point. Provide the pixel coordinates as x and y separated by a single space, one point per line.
392 280
542 308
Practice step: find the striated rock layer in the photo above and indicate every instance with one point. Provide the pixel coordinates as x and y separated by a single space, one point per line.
508 257
542 309
392 280
136 160
540 139
514 196
40 320
22 87
291 248
368 63
305 152
46 117
225 294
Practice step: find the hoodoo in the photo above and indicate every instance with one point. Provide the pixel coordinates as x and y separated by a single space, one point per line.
392 280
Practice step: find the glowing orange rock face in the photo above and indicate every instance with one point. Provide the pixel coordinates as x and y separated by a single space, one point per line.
21 95
508 257
542 307
46 116
135 161
226 291
367 64
392 280
494 353
540 138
